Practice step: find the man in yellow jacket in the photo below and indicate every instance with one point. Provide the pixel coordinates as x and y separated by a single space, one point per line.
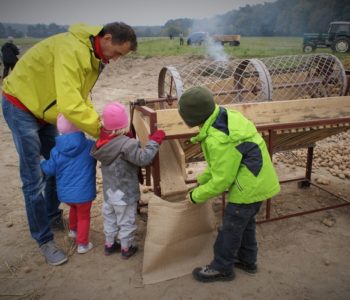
56 76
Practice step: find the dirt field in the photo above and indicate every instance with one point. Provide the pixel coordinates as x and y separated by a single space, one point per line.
305 257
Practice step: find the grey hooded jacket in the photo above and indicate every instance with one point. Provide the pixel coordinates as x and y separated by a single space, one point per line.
120 161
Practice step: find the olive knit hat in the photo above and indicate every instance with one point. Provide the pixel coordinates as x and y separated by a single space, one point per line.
196 105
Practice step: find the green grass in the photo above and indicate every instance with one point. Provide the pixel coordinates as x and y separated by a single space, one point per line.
166 47
250 47
266 46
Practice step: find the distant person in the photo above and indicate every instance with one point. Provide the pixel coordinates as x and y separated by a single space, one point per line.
121 157
56 76
170 36
181 35
9 53
75 172
238 162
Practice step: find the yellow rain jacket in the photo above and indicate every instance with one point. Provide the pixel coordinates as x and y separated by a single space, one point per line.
57 75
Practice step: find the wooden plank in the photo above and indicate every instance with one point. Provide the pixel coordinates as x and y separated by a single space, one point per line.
180 156
268 113
172 183
141 127
294 111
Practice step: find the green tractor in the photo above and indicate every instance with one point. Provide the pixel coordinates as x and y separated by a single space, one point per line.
337 38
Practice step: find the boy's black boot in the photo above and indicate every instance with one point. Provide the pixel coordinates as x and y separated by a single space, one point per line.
208 274
249 268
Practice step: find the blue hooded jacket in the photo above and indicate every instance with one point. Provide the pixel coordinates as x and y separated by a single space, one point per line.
75 169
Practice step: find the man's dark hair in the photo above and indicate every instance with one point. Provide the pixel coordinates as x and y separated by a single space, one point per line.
121 33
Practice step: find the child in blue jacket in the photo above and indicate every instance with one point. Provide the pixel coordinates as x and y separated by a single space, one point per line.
75 170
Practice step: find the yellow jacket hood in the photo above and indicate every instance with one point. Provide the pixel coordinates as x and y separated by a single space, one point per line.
83 32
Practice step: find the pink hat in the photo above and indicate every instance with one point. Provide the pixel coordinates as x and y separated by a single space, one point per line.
114 116
64 126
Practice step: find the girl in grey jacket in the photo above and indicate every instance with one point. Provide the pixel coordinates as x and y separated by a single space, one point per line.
121 157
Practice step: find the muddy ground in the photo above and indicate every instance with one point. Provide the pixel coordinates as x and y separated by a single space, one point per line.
305 257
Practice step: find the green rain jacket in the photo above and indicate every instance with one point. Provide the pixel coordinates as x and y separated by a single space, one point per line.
57 75
237 158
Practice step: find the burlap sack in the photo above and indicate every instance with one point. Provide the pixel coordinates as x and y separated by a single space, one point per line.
180 237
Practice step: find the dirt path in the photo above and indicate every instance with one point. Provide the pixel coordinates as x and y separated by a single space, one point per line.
305 257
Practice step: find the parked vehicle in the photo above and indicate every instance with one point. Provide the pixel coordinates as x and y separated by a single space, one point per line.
232 40
337 38
314 40
197 38
201 37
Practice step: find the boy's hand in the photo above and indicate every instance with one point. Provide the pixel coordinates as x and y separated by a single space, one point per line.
158 136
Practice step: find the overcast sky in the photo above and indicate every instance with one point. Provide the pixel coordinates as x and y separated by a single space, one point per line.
132 12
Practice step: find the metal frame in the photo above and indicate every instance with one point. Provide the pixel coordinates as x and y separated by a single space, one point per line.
303 182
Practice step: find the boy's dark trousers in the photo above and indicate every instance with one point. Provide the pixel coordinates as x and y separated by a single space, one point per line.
236 238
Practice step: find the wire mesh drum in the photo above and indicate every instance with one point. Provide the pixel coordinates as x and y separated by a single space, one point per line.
253 80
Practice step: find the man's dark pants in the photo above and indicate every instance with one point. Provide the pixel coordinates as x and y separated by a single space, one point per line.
34 141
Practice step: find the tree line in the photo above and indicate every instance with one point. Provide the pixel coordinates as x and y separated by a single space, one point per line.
36 31
279 18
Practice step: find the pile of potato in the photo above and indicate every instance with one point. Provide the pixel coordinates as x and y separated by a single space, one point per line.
332 153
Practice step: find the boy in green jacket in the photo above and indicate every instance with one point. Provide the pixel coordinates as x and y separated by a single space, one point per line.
238 161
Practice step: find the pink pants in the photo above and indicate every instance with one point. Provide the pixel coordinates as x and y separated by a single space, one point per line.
79 221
